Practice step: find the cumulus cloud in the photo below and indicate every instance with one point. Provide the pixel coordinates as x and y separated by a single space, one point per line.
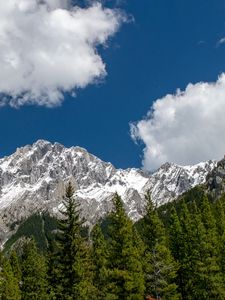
48 47
184 128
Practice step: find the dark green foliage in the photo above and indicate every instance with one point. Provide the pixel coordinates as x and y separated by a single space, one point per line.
210 254
9 283
177 251
194 245
159 265
15 265
100 256
220 223
193 195
38 226
74 267
34 273
125 279
176 248
53 271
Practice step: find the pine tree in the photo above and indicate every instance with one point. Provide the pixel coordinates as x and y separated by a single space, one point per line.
209 221
199 274
159 266
54 271
126 280
189 252
15 265
177 250
220 222
100 260
10 289
210 255
74 274
34 273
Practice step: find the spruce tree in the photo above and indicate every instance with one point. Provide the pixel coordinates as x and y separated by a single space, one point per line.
160 267
100 261
209 221
199 274
199 277
177 250
220 221
34 273
54 271
191 243
15 265
74 259
189 255
126 279
210 254
9 284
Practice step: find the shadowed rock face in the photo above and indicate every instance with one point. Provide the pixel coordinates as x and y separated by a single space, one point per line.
34 177
215 180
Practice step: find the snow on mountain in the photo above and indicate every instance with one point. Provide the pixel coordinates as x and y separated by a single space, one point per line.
34 177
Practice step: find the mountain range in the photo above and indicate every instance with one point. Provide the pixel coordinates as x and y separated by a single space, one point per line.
33 179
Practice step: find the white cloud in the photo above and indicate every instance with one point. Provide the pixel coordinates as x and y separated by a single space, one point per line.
184 128
221 41
48 47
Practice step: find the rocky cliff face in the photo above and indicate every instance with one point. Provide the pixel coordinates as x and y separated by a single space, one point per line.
215 180
34 177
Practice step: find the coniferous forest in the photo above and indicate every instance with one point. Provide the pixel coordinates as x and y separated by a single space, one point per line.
177 251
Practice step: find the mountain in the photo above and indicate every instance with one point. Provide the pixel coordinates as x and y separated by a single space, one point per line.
215 180
33 180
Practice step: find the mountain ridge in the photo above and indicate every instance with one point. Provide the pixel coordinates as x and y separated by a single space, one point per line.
33 180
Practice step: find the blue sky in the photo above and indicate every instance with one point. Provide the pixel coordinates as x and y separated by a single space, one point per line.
168 45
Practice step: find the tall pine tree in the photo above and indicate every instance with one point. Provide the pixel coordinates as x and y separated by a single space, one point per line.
159 265
34 273
73 256
199 275
176 248
9 284
15 264
126 279
214 286
100 256
220 222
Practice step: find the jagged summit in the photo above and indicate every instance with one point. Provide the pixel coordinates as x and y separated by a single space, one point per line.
33 179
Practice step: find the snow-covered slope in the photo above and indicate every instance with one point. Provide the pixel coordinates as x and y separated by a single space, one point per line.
33 179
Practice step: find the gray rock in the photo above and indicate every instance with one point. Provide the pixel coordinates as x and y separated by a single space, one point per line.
33 179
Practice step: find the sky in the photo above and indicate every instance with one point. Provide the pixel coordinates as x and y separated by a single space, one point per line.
136 83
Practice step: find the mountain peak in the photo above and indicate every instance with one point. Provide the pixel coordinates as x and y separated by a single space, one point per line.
41 143
33 179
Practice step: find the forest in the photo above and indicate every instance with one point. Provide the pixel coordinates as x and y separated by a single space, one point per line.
175 251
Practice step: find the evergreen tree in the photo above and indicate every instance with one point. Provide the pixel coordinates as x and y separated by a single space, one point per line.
73 257
9 284
210 255
209 222
126 280
15 265
34 273
198 273
190 254
54 271
100 260
220 220
159 266
177 250
220 217
200 276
